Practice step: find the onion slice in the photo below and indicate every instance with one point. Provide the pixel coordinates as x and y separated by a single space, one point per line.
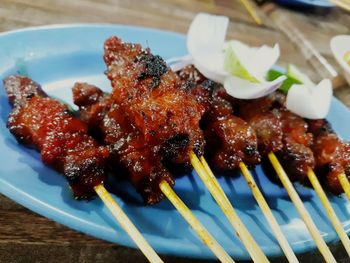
250 90
310 101
250 63
206 44
205 41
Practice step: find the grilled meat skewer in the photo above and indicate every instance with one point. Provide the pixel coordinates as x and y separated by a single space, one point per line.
129 151
332 155
277 129
62 139
148 93
230 140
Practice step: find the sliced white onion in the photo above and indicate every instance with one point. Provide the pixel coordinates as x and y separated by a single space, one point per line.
206 43
205 40
244 89
310 101
254 61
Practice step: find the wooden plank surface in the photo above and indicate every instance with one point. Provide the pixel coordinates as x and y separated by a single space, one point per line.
27 237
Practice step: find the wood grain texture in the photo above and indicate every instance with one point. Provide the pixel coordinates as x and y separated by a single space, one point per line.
27 237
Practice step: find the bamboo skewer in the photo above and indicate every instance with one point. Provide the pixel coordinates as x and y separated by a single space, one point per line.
127 225
330 212
345 184
216 191
194 223
268 214
264 207
320 243
248 6
342 4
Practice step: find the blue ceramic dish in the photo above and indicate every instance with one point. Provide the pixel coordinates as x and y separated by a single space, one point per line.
306 3
58 56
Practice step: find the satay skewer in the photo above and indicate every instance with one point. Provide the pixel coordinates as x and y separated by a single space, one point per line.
320 243
127 225
345 184
36 114
252 12
263 205
288 251
165 188
329 210
215 189
186 213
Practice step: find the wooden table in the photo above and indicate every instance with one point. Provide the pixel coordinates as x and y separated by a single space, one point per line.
27 237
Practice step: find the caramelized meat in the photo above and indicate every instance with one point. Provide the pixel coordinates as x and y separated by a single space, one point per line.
264 116
93 105
295 159
332 158
319 127
149 94
129 150
230 140
194 83
281 132
249 108
268 128
296 156
295 128
60 137
332 155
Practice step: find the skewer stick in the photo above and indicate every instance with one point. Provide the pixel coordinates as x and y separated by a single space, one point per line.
216 191
330 212
320 243
127 225
194 223
342 4
251 11
268 214
345 184
264 207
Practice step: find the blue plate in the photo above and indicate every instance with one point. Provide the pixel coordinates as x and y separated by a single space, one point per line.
306 3
58 56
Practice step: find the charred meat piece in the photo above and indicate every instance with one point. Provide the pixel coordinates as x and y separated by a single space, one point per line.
194 83
60 137
319 127
268 128
332 155
281 132
295 128
130 152
230 140
143 163
250 108
296 156
93 105
296 159
149 94
332 158
264 116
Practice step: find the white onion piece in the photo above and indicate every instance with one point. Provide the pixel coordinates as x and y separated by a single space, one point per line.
254 61
205 40
178 63
206 43
244 89
310 101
